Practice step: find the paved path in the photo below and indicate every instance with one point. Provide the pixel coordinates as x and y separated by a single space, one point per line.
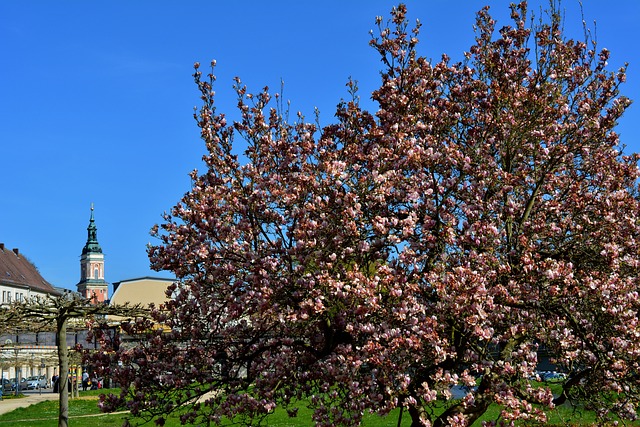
8 405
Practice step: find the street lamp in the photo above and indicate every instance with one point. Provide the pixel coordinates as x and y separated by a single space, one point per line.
17 350
42 365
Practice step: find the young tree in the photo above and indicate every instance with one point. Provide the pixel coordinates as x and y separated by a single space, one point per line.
54 313
484 213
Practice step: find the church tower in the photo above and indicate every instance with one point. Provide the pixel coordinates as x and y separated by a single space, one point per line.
92 284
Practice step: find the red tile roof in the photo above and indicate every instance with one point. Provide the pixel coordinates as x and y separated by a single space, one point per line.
17 270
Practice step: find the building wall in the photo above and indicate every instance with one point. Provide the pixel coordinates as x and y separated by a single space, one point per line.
144 290
10 294
25 354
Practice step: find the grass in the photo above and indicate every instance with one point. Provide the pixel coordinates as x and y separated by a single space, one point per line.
45 414
84 411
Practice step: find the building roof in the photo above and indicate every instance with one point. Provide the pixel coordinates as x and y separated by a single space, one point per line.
142 290
17 270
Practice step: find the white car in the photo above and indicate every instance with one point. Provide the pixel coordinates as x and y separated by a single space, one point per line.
34 383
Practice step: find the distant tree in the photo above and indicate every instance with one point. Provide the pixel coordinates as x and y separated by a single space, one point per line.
484 213
55 313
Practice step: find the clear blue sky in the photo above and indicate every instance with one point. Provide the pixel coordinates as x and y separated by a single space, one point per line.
96 99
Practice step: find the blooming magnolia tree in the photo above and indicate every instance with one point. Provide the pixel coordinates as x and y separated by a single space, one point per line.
484 215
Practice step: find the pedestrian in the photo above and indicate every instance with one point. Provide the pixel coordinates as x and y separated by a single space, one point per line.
85 380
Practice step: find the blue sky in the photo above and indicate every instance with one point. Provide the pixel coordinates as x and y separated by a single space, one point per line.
96 99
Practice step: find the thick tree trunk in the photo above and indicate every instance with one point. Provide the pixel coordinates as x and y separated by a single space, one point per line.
416 413
63 360
471 413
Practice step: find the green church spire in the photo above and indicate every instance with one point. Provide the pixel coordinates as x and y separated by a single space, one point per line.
92 245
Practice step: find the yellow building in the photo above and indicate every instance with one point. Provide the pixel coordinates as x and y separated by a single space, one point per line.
143 290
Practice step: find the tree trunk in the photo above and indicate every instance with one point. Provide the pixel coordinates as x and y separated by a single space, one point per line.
471 413
416 413
63 360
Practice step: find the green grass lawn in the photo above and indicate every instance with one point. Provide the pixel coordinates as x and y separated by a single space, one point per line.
45 414
84 412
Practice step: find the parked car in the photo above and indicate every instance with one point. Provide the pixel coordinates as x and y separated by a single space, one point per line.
11 385
551 375
6 385
34 383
